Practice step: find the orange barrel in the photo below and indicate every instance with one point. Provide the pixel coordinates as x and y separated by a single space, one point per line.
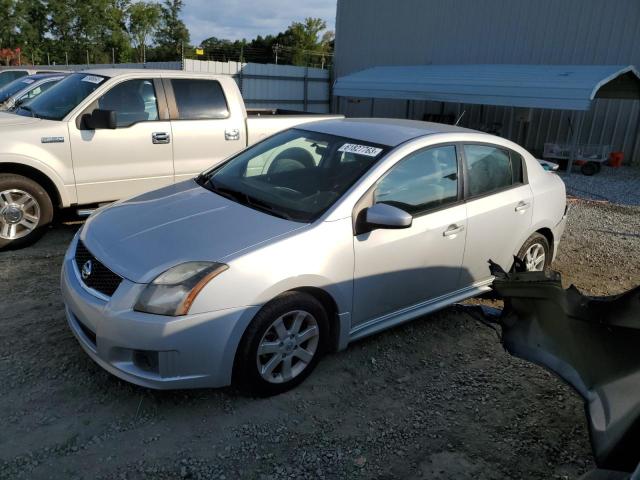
615 159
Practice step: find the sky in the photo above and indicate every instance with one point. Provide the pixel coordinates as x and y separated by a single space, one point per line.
237 19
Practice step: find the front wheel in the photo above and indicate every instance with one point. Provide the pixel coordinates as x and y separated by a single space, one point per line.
536 253
282 345
25 209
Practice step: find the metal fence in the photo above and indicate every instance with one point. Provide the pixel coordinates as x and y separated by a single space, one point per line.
262 85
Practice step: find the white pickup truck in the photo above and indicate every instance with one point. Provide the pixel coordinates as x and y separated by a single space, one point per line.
103 135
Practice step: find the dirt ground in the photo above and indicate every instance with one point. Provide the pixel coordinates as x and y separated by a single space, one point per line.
437 398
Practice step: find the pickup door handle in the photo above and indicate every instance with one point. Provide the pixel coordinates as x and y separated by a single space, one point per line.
522 206
452 230
160 137
232 134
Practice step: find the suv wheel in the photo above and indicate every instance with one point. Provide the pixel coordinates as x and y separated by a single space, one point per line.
535 253
25 209
282 345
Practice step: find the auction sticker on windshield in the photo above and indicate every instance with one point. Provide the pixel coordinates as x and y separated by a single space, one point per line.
92 79
365 150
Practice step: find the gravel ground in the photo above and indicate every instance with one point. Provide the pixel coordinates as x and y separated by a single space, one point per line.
616 185
437 398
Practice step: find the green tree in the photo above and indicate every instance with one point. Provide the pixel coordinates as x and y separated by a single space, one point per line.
173 33
8 25
302 39
30 17
144 19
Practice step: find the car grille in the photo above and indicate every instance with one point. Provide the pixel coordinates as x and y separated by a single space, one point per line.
101 278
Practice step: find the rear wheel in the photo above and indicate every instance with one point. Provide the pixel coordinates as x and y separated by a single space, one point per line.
536 253
25 209
282 345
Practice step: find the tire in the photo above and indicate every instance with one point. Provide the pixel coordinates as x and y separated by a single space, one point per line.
25 211
540 241
266 375
590 168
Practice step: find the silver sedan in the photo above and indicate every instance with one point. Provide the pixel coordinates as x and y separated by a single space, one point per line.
301 244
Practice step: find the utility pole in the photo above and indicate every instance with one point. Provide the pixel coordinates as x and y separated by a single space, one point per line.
113 56
19 57
276 49
48 59
87 57
144 53
66 58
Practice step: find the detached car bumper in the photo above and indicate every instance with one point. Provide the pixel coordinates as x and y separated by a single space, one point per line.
154 351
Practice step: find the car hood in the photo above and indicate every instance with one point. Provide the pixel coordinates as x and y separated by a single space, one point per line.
10 119
142 237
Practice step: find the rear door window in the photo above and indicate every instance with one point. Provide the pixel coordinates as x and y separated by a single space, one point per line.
489 169
198 99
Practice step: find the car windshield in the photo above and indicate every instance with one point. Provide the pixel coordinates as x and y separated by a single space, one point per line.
296 174
59 100
14 87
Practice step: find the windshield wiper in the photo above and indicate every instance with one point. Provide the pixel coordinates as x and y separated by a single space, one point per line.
247 200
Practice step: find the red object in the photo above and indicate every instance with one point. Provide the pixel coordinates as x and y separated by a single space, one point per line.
616 159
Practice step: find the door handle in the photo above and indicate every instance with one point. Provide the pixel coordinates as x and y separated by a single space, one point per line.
452 230
232 134
160 137
522 206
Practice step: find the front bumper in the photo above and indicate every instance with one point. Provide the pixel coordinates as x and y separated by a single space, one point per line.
154 351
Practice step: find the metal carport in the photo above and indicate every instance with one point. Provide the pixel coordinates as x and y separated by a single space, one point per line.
563 87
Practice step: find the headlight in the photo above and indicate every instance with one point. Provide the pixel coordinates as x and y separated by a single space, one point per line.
173 291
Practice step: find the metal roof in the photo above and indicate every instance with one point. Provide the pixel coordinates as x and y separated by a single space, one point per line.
567 87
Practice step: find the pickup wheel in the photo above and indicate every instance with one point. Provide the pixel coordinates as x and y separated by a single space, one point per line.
25 210
282 345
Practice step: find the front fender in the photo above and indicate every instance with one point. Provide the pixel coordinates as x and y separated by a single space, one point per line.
66 192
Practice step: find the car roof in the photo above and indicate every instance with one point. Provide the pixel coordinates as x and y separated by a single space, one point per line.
384 131
42 76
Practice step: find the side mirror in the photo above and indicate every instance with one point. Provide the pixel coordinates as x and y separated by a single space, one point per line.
100 120
382 215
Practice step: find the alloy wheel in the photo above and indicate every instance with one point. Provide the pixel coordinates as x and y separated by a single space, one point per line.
534 258
288 346
19 214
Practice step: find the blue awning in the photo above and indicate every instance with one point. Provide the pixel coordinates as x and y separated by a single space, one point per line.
566 87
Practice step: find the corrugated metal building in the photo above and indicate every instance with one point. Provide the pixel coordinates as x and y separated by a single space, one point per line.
413 32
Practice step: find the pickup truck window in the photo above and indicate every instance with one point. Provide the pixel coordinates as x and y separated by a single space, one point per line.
199 99
58 101
133 100
291 184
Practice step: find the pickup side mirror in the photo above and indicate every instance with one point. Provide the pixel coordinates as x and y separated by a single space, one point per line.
100 120
386 216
